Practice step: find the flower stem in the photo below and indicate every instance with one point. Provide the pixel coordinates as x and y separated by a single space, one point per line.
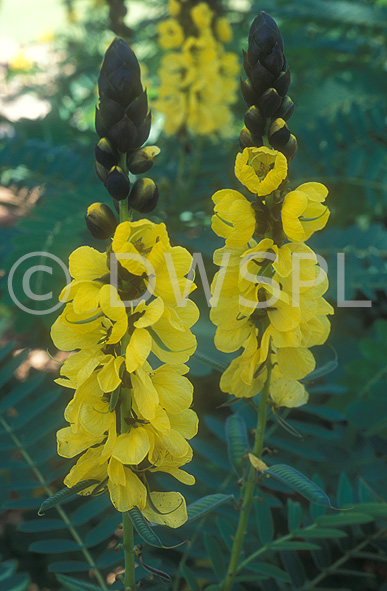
125 408
249 485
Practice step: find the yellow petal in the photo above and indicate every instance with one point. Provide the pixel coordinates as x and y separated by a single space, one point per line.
132 494
87 263
171 505
131 447
137 351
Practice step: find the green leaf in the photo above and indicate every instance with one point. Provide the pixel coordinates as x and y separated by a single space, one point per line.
63 495
54 546
300 483
264 521
294 514
18 582
374 509
342 519
215 555
322 371
36 525
190 578
76 585
104 530
270 570
319 532
237 441
143 528
7 569
294 546
206 504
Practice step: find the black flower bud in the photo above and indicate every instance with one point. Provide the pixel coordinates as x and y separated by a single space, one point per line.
101 172
290 149
255 121
144 195
268 78
122 114
117 183
142 160
286 109
100 221
106 154
278 134
248 140
269 102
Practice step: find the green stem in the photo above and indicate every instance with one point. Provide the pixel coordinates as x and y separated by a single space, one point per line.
125 409
249 485
62 513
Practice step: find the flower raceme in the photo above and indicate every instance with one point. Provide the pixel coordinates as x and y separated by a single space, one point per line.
198 81
278 306
113 324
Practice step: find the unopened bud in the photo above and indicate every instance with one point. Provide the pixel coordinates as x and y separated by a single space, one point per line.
290 149
142 160
248 92
286 109
100 221
269 102
106 154
101 172
144 195
117 183
282 83
279 134
254 121
248 140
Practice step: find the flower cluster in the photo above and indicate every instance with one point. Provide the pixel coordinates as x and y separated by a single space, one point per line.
268 295
197 77
127 418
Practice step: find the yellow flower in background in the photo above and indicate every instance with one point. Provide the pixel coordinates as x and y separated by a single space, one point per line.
171 34
303 211
198 84
261 170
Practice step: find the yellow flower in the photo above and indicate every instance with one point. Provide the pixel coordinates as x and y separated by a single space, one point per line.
171 34
303 211
174 7
234 217
286 392
223 30
202 15
261 170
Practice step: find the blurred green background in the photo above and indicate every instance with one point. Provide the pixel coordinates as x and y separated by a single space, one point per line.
50 54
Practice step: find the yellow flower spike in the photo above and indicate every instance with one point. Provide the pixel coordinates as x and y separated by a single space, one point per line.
172 507
257 463
261 170
234 217
132 447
